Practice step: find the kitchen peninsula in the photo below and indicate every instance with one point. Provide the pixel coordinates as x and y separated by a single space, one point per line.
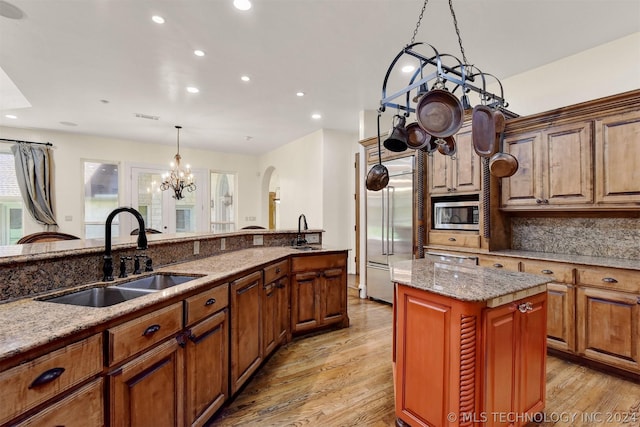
169 355
469 344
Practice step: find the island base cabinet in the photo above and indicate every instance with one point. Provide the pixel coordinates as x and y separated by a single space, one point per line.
148 391
206 362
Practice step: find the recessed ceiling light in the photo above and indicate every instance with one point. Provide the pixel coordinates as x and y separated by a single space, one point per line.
245 78
157 19
104 101
316 116
299 93
192 89
11 116
198 52
242 4
408 68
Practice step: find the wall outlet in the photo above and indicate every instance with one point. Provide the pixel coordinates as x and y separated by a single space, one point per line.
196 247
258 240
312 238
223 244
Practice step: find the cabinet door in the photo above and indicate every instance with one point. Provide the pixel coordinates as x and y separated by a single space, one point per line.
531 379
608 327
618 159
269 317
282 310
525 186
333 296
439 173
466 164
207 367
149 389
561 330
305 305
567 168
246 329
82 408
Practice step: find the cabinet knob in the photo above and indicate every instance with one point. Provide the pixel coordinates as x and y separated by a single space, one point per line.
278 270
525 306
609 280
546 271
498 265
210 301
452 239
539 201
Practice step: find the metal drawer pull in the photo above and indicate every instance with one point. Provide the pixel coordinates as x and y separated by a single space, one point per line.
452 239
278 270
546 272
151 330
498 265
46 377
246 289
609 280
525 306
210 301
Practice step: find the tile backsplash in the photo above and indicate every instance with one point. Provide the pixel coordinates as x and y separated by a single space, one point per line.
605 237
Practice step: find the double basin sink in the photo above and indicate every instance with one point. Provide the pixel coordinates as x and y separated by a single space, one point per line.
111 295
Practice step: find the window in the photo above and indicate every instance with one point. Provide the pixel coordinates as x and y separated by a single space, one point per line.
100 198
11 207
223 213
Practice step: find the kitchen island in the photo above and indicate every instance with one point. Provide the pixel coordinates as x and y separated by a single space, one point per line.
469 345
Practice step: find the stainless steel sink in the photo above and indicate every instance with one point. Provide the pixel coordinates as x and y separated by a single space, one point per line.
306 248
98 297
156 282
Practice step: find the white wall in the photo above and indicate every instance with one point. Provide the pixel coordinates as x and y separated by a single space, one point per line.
71 149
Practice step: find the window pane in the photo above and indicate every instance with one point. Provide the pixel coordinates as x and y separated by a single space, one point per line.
150 199
223 196
186 212
100 197
11 210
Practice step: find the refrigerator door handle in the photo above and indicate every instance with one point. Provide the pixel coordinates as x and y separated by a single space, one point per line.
390 220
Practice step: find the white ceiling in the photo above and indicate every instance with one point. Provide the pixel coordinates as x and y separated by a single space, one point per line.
65 56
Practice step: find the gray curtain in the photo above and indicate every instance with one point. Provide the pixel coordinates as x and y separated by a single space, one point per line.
34 170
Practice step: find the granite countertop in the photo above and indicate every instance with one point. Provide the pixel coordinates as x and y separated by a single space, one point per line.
28 323
468 282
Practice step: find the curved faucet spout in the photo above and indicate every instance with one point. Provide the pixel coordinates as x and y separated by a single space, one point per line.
107 268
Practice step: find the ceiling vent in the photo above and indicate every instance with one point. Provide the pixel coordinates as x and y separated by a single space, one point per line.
147 116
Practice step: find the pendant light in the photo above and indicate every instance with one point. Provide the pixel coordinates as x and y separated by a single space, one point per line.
178 179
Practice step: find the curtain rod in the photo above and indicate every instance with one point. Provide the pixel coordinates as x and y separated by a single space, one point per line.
26 142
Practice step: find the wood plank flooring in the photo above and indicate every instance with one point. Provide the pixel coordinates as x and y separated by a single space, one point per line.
343 378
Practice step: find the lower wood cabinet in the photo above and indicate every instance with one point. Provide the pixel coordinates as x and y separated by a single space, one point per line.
275 307
246 328
149 389
318 292
476 361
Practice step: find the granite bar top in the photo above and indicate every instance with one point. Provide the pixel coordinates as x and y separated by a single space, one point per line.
29 322
468 282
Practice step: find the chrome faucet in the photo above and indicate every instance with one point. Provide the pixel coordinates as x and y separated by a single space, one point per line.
299 239
107 268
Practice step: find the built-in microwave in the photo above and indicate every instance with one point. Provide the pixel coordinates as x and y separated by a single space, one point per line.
461 215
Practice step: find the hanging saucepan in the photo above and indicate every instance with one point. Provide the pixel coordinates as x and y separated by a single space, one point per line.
440 113
417 138
378 176
431 146
503 165
483 131
446 146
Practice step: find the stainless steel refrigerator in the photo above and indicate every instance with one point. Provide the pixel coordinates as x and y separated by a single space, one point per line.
389 227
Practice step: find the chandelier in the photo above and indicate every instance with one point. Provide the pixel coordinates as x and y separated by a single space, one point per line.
178 179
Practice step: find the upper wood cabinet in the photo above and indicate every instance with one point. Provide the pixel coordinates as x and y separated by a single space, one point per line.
618 159
455 174
555 167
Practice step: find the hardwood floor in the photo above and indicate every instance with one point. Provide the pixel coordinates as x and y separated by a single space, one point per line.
343 378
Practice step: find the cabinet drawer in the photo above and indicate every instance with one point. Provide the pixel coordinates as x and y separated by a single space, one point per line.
559 272
139 334
276 271
610 278
455 239
206 303
34 382
318 262
510 264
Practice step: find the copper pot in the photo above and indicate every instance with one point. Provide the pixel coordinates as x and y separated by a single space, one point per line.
378 175
440 113
503 165
417 138
446 146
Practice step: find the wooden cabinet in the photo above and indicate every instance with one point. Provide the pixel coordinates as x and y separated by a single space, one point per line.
476 361
561 329
318 292
608 316
206 354
555 167
455 174
461 239
246 328
515 351
506 263
618 159
149 389
275 306
36 381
